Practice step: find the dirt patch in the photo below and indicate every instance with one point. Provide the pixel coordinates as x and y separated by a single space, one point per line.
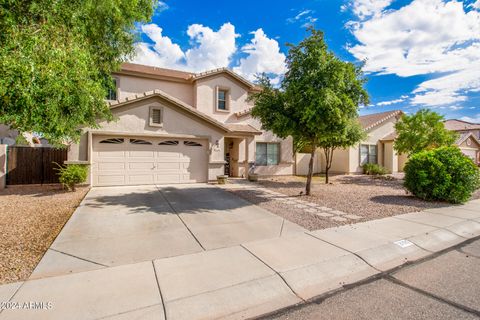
31 217
364 196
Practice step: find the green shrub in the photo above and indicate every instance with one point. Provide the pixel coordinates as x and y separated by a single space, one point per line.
442 174
72 174
374 169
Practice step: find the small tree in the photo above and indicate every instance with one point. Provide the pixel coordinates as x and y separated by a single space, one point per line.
350 135
421 131
317 101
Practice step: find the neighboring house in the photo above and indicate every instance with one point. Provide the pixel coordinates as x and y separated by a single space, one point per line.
179 127
377 148
8 136
468 140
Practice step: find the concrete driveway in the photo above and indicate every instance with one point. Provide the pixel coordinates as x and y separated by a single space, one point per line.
122 225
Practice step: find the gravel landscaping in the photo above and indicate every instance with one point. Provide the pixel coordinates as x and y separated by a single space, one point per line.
31 216
363 196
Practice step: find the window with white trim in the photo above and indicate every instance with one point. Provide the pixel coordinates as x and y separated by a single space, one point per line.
156 117
222 99
267 154
368 153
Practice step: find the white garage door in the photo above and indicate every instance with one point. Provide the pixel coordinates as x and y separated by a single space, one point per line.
143 160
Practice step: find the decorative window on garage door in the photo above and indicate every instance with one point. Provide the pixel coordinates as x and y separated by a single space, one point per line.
139 141
113 140
168 143
192 144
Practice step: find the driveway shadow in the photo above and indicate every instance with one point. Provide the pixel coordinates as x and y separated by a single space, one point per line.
409 201
170 200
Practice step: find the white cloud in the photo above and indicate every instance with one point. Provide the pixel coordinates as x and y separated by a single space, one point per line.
424 37
161 6
263 55
212 49
305 17
390 102
163 53
474 119
367 8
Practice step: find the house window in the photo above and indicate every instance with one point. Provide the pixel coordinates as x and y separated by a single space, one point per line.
267 154
192 144
156 117
139 141
222 99
168 143
113 141
112 91
368 153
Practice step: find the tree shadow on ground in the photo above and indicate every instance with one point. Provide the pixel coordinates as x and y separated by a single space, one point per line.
408 200
363 180
169 200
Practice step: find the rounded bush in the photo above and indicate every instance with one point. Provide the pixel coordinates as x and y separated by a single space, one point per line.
72 174
442 174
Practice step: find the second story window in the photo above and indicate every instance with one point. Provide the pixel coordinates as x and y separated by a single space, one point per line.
222 99
112 91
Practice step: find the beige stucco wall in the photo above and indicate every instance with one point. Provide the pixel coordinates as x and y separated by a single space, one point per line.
348 160
133 119
205 94
302 161
130 85
287 161
402 160
3 166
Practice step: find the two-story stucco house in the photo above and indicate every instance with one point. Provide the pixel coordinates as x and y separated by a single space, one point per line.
179 127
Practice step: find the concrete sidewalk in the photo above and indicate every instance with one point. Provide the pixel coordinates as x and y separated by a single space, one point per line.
245 280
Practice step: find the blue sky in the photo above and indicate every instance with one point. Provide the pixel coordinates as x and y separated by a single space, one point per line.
419 53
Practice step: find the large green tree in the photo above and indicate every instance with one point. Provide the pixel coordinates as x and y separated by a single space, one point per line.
56 58
317 101
421 131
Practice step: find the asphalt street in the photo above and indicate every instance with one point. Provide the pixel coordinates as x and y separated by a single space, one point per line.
444 286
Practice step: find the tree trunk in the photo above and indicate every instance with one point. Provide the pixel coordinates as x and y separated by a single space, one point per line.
328 161
310 172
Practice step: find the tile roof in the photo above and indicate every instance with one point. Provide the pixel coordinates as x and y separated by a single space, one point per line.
390 137
149 70
464 136
182 75
372 120
242 128
228 71
458 125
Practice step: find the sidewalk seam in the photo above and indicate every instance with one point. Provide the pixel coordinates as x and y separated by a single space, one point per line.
355 254
178 215
277 273
73 256
159 291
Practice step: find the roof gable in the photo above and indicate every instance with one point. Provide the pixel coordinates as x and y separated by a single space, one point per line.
375 119
458 125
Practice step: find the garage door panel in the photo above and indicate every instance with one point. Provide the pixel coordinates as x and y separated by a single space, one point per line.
141 179
141 165
167 178
130 163
110 154
110 180
109 166
141 154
